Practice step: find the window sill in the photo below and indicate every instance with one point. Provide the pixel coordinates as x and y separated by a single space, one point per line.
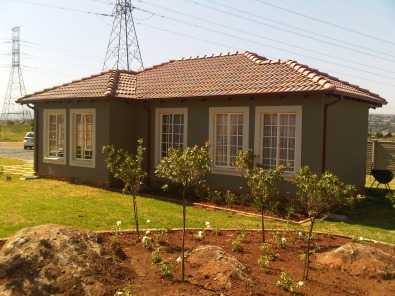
225 171
83 163
54 160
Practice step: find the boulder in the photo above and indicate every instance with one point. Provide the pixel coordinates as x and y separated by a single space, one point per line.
360 259
211 267
59 260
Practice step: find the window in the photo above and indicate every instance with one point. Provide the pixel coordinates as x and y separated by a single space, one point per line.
54 135
228 135
278 137
83 137
171 130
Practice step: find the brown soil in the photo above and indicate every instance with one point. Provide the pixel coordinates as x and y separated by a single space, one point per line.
324 280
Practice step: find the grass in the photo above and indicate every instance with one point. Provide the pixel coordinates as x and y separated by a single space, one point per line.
11 161
14 132
42 201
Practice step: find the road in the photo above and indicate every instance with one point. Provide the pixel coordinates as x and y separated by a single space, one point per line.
15 150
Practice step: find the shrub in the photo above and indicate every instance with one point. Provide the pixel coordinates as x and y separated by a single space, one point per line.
166 269
188 168
155 256
264 261
318 195
263 184
288 284
129 169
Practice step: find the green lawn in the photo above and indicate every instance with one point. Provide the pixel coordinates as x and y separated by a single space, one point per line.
11 161
34 202
14 132
41 201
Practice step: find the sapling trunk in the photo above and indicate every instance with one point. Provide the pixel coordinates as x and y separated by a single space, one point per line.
307 258
262 225
183 234
136 218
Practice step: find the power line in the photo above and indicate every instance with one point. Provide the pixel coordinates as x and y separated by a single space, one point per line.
319 20
299 29
193 37
64 8
248 33
353 49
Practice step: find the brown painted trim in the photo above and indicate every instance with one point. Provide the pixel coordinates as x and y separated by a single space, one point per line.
324 131
149 143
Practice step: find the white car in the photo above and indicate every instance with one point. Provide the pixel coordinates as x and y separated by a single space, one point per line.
28 141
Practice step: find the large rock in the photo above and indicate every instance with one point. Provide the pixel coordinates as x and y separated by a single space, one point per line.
58 260
211 267
360 259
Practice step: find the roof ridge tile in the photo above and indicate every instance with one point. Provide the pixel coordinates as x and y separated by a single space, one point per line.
311 73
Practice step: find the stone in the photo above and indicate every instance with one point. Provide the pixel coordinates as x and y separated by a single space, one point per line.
58 260
360 259
211 267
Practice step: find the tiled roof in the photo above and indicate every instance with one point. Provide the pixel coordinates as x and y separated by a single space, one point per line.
229 74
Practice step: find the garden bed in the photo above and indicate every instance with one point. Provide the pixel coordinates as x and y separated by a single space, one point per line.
324 281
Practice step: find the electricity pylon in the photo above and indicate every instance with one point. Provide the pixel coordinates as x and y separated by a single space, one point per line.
16 85
123 50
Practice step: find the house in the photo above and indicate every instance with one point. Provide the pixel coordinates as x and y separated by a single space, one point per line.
287 113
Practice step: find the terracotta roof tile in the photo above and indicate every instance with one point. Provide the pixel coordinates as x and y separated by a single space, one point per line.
224 74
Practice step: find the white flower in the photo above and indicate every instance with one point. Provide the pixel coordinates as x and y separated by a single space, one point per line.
119 223
200 234
179 260
300 234
207 223
148 221
300 284
147 232
283 240
361 238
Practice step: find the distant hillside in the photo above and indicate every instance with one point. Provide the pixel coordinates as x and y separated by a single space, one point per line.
381 123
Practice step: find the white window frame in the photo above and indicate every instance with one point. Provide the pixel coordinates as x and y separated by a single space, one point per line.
213 111
46 157
89 163
158 128
298 110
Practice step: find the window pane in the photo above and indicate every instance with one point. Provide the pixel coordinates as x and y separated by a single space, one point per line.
55 135
172 132
228 138
287 141
269 138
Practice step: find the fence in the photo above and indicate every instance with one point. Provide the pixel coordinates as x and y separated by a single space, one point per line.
381 155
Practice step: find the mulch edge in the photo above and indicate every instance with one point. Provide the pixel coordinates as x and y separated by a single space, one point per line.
127 231
249 214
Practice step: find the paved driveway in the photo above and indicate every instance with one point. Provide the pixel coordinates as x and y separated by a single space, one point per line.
15 150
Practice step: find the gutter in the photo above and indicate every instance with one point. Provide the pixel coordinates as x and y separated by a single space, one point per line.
36 137
324 131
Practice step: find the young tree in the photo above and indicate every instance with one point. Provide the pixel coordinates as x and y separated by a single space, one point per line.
319 195
263 184
187 167
129 169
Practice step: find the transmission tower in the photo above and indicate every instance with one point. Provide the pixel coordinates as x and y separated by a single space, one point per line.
123 50
16 86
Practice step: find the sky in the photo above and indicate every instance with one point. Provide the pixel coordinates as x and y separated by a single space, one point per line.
353 40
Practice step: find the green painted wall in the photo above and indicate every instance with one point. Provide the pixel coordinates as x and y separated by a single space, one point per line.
198 126
122 123
347 135
97 175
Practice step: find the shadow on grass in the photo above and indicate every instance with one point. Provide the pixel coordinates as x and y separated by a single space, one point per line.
376 210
